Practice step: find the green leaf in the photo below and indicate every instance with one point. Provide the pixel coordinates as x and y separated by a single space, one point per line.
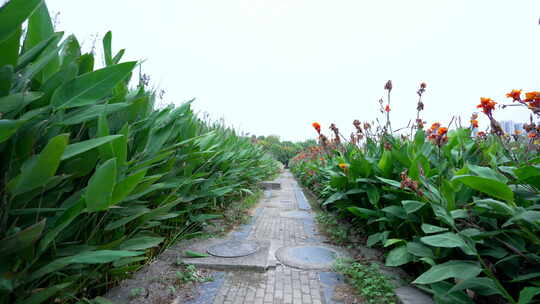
488 186
124 187
18 101
22 239
13 14
6 77
37 171
8 128
84 146
60 224
494 206
89 257
107 48
527 294
100 187
92 112
40 28
121 222
412 206
482 286
428 229
446 240
389 182
373 194
362 212
334 197
398 256
453 269
419 249
91 87
141 243
44 294
193 254
529 216
9 49
529 174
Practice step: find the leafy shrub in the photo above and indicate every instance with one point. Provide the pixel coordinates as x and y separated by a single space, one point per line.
95 180
461 212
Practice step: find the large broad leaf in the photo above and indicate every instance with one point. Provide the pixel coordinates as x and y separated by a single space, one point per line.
91 87
529 174
17 101
419 249
446 240
60 224
494 206
13 14
398 256
9 49
529 216
37 171
453 269
8 127
527 294
412 206
44 294
141 243
21 240
362 212
100 187
488 186
39 29
91 257
107 48
334 197
83 146
126 186
428 228
92 112
482 286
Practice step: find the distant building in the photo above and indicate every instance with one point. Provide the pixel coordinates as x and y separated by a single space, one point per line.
510 126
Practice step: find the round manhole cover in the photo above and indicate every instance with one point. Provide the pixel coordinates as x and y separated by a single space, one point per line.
308 257
233 249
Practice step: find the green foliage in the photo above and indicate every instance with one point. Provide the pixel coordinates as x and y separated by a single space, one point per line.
462 216
369 282
95 180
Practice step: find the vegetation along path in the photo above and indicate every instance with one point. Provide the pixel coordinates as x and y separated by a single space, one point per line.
278 257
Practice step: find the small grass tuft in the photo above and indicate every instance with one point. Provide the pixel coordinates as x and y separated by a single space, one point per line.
373 286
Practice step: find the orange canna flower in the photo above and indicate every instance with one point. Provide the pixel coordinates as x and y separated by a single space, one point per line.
517 132
387 108
531 134
531 96
442 131
515 95
317 127
487 105
435 126
481 134
343 165
474 123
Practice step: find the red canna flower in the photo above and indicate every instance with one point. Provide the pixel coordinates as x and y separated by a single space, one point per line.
474 123
515 95
487 105
317 127
442 131
531 134
387 109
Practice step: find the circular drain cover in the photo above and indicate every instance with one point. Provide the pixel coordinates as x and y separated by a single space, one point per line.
233 249
307 257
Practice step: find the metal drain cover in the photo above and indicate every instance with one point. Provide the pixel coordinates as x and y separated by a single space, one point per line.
307 257
233 249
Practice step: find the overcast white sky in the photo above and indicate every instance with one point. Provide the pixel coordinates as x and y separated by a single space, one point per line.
275 66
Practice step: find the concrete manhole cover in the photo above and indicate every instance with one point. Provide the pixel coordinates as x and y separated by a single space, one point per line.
308 257
233 249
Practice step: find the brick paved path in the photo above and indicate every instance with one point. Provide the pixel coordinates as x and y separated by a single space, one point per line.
281 284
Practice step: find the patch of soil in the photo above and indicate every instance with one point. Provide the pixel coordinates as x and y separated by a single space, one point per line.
346 294
159 283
